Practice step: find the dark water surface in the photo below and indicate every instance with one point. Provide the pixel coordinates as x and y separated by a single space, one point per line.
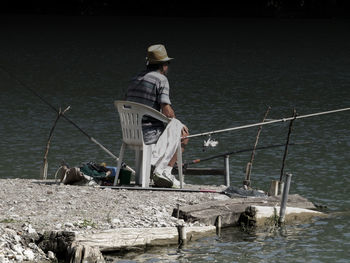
225 73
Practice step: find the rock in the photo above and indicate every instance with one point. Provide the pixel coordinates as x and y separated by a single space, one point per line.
30 233
115 221
67 224
10 231
17 238
19 258
17 248
33 246
3 259
51 255
30 229
29 254
2 244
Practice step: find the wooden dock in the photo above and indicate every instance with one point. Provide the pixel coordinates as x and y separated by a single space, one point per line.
128 238
88 247
248 211
236 211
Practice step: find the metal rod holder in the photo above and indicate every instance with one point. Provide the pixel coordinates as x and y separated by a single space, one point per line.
227 170
284 198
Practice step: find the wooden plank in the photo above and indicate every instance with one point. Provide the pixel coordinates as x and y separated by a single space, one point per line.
230 210
126 238
268 215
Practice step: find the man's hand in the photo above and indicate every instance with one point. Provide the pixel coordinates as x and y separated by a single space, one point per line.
184 133
167 110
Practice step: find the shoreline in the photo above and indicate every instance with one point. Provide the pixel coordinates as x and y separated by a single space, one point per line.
40 207
43 221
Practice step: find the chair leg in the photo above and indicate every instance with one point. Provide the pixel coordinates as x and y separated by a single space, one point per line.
119 164
146 165
179 165
138 166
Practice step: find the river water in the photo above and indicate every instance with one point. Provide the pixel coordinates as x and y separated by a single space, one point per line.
225 74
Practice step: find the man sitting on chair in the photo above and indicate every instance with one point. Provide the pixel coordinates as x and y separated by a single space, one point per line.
151 87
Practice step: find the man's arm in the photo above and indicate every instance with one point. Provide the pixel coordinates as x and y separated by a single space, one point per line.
167 110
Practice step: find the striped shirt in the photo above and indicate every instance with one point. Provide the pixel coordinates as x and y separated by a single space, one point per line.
152 89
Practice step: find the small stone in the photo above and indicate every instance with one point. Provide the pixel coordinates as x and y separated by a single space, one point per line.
17 238
51 255
31 230
33 246
3 259
19 258
68 224
116 221
10 231
29 254
2 244
17 248
58 226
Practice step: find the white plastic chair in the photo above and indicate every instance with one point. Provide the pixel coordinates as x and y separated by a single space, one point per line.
131 114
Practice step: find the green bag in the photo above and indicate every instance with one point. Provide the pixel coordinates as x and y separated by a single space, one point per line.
94 170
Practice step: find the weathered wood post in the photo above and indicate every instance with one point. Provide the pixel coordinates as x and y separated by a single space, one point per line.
274 188
178 211
44 168
284 198
250 163
218 224
227 170
182 235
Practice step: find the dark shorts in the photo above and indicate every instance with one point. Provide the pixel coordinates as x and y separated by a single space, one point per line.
151 134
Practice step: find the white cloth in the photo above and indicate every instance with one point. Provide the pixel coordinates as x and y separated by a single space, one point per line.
166 146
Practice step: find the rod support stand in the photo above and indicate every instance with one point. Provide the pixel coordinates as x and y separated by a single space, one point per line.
284 198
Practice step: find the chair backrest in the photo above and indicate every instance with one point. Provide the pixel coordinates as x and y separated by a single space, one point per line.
131 114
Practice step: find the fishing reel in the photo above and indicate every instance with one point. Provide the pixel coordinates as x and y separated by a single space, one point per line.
209 142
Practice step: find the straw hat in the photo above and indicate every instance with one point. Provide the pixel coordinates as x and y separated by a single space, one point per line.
157 54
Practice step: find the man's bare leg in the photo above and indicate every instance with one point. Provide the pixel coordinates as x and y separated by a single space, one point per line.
184 142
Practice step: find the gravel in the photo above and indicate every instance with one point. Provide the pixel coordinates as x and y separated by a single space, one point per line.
28 208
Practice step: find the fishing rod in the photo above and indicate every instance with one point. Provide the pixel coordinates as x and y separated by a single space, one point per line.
266 122
65 117
240 151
